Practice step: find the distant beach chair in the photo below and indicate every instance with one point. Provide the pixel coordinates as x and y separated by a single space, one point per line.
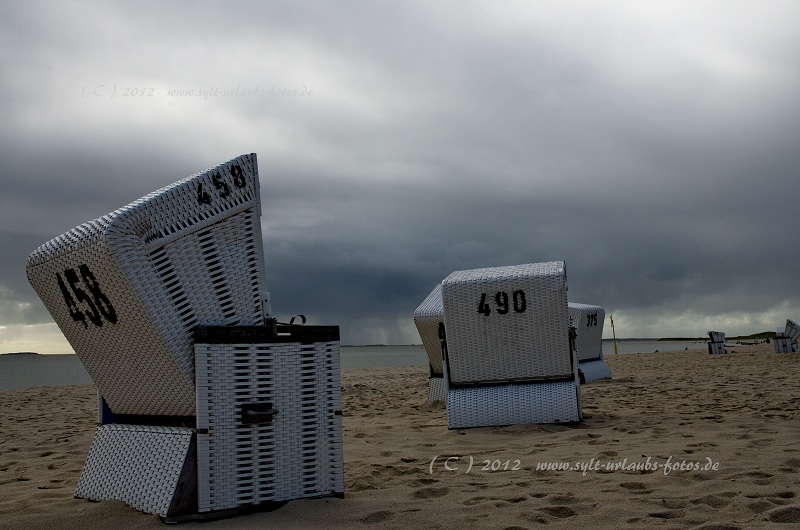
716 342
588 320
786 338
130 291
429 320
509 358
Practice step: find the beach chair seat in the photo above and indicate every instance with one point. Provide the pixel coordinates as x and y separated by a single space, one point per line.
786 337
588 320
716 342
429 321
509 358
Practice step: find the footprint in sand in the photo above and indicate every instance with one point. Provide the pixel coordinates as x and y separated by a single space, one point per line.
562 512
781 498
473 501
667 515
759 443
791 465
636 487
430 493
784 514
561 500
377 517
756 477
712 501
760 506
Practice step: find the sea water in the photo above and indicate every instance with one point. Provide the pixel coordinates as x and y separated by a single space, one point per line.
28 371
650 346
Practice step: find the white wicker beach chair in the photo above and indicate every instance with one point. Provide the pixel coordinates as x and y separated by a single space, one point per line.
786 338
128 289
588 320
268 430
132 292
716 342
508 354
429 320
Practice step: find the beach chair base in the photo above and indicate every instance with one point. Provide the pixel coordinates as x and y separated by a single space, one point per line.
151 468
716 343
716 348
269 415
436 389
429 321
594 370
511 404
267 430
784 345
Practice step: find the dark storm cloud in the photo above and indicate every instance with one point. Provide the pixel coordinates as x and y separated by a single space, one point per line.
652 147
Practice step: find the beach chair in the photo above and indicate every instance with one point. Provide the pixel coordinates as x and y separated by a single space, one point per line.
588 320
131 291
509 357
429 320
786 337
716 342
128 289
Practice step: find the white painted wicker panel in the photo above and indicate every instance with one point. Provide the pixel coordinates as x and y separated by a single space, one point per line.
594 370
137 464
188 254
588 323
427 318
298 454
784 345
716 344
437 390
483 406
525 334
792 330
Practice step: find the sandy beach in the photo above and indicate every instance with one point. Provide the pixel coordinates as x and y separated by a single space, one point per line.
675 440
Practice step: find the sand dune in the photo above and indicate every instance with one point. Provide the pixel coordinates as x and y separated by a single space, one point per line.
675 440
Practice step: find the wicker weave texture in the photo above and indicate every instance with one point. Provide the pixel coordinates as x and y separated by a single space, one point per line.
792 329
784 345
588 323
716 344
137 464
507 323
437 389
786 339
483 406
427 318
128 288
298 454
594 370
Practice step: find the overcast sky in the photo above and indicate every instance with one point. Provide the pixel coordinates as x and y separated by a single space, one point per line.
652 146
